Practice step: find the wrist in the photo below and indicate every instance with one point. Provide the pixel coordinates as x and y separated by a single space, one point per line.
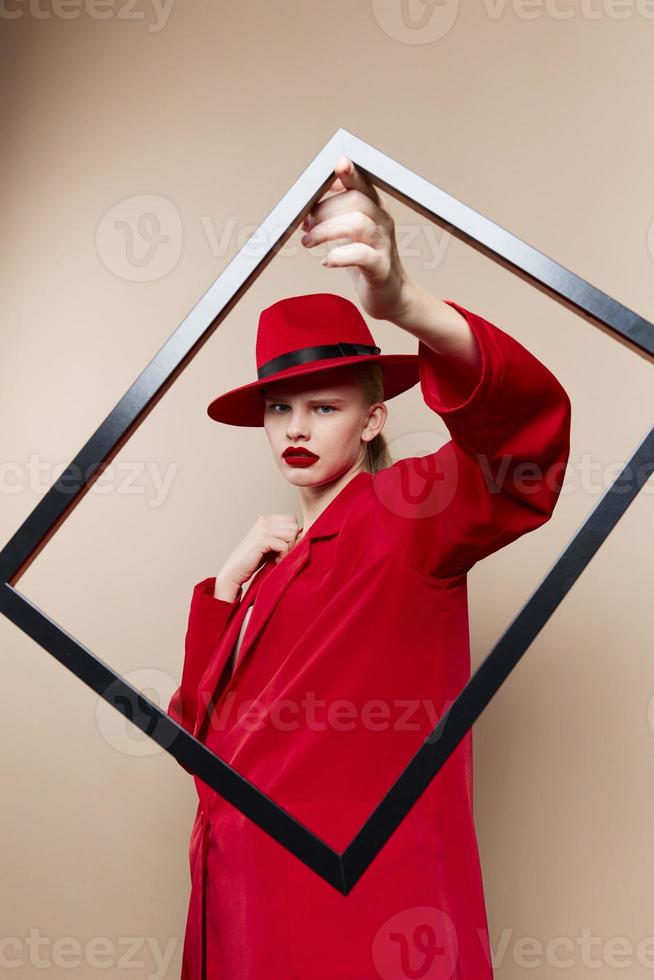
225 588
438 325
409 309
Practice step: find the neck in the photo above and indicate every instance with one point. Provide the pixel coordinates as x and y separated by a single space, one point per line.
313 500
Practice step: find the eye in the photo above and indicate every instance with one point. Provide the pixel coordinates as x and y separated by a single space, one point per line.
272 406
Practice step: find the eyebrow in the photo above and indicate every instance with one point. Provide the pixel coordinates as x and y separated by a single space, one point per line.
312 401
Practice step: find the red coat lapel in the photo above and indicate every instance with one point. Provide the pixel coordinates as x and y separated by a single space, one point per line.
270 583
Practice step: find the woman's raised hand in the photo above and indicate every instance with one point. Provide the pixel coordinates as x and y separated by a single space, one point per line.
355 210
270 533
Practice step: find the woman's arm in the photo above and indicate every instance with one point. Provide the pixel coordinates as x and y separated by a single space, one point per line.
438 325
215 598
207 619
509 417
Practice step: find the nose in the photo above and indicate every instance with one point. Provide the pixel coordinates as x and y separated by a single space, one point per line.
297 427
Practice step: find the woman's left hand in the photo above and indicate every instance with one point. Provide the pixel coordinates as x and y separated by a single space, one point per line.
355 210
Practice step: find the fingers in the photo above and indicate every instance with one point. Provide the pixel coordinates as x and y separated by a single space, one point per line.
355 255
348 176
351 190
281 546
355 226
280 531
352 177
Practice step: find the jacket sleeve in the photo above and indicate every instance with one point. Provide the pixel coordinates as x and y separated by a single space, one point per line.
501 473
207 620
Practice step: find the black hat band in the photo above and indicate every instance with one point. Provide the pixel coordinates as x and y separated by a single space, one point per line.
306 354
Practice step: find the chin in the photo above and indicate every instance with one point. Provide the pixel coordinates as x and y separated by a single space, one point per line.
315 476
300 477
311 476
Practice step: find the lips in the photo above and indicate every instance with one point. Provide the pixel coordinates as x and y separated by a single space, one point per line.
298 456
298 451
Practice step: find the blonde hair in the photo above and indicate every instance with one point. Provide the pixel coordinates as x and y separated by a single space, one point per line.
370 376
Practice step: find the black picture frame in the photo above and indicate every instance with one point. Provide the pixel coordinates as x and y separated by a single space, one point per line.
341 870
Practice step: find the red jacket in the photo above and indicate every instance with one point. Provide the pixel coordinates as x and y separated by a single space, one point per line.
357 643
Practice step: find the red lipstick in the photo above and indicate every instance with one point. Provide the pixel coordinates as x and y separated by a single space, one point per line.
299 456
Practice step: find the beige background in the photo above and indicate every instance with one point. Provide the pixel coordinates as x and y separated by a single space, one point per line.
538 116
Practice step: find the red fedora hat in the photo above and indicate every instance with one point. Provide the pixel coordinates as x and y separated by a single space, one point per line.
303 335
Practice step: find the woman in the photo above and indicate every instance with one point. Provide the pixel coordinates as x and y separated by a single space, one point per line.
322 690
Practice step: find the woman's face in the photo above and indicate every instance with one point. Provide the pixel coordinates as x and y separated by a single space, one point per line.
325 414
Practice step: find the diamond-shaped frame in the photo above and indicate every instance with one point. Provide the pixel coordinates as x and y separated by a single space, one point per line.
342 871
